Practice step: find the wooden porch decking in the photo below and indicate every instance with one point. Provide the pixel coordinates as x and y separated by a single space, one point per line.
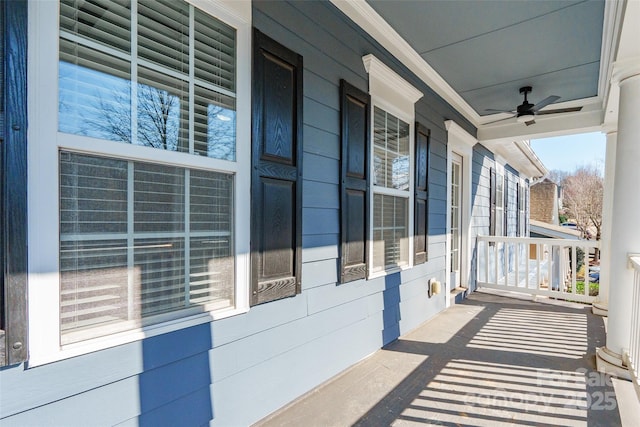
490 361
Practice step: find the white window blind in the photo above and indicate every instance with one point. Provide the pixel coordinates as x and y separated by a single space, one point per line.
391 182
175 70
390 242
140 240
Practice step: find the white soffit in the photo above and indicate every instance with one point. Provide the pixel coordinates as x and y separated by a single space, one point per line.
372 23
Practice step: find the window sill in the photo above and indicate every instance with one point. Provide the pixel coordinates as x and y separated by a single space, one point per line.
375 275
106 342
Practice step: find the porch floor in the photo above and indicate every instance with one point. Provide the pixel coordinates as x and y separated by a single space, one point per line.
489 361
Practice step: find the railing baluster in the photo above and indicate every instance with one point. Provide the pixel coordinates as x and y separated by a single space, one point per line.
538 256
495 258
517 261
486 260
505 255
574 268
587 269
527 261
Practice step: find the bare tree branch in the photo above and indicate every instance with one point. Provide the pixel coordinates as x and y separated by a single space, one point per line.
583 192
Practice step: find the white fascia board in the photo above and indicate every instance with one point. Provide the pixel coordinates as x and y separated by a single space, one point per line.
613 13
372 23
532 163
519 155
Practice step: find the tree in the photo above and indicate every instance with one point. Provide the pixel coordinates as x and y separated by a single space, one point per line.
583 192
160 121
558 176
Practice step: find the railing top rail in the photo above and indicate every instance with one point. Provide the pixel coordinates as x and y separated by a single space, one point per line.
634 261
542 241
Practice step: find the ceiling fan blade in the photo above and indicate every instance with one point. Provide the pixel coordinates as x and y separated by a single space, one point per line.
559 110
493 110
548 100
530 122
501 120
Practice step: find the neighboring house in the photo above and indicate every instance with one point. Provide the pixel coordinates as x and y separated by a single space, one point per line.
545 230
226 207
545 202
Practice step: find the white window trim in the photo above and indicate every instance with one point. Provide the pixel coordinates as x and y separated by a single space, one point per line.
396 96
43 191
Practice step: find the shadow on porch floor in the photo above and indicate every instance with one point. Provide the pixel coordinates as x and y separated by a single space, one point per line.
490 361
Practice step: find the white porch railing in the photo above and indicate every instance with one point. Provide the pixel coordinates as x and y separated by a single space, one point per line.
537 266
634 343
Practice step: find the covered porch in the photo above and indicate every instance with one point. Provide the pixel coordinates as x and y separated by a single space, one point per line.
481 65
490 361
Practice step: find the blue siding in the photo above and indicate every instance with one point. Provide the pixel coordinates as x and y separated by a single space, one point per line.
237 370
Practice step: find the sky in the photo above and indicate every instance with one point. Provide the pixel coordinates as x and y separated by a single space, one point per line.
567 153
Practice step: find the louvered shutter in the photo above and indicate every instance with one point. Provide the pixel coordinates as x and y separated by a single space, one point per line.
492 202
354 189
13 186
276 199
421 213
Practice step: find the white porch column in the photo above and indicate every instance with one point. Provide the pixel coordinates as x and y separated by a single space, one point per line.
602 305
625 228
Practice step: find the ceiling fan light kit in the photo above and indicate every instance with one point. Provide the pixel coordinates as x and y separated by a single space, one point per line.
525 117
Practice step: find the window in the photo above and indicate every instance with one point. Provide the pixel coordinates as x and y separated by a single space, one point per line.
392 163
138 240
500 200
168 83
522 224
391 191
145 160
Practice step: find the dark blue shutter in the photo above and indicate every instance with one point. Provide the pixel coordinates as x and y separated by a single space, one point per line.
354 190
276 190
13 173
421 212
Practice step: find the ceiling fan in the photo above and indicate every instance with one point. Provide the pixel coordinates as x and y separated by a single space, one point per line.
526 112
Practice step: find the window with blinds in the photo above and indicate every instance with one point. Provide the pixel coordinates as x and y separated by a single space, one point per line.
138 241
167 82
500 231
144 241
391 183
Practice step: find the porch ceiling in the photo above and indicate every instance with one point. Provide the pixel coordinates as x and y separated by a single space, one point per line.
477 54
